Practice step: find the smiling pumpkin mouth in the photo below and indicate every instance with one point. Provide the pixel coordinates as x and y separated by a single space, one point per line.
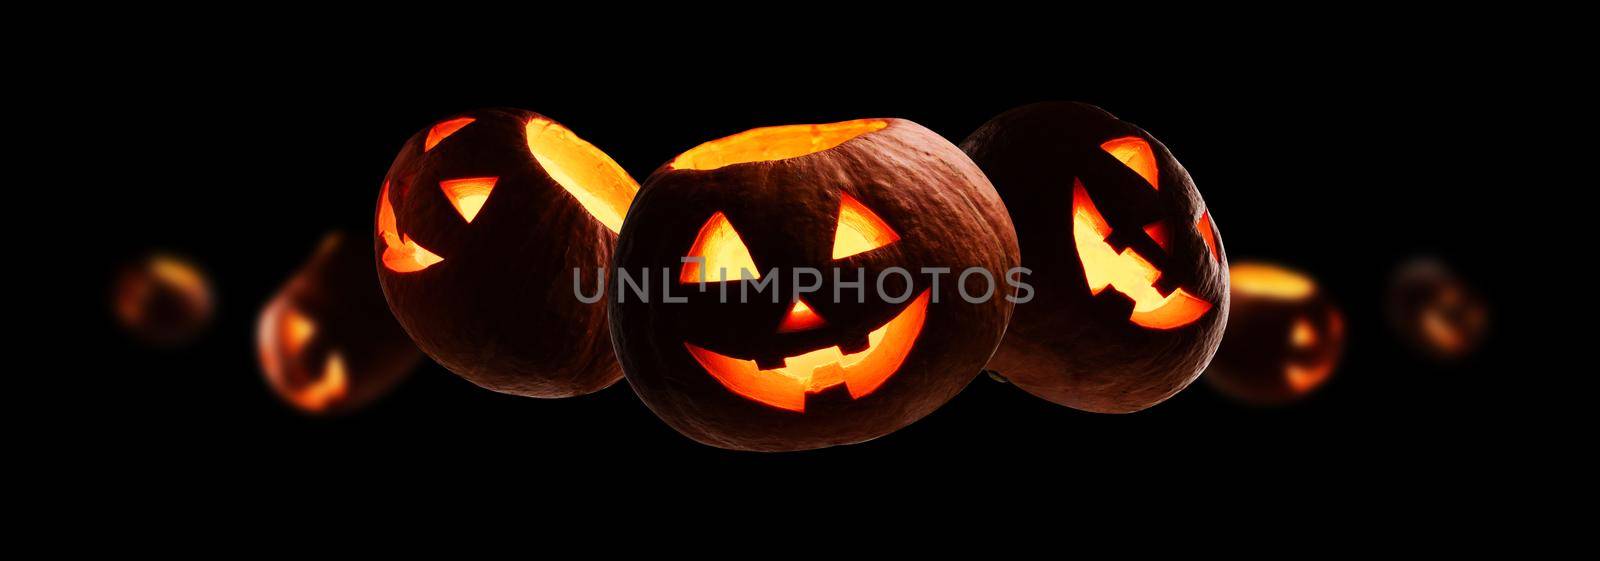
861 372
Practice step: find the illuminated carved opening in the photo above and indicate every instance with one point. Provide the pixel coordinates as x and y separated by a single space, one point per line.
1208 234
442 130
773 143
859 229
329 388
179 276
282 337
468 195
1268 281
600 185
800 318
861 373
726 257
1158 232
1302 378
1126 271
1303 335
1135 153
297 330
400 254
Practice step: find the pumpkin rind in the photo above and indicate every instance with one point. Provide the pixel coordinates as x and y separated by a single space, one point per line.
937 202
1068 345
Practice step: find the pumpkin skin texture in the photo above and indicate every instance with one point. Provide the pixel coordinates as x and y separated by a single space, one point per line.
1284 336
1055 164
162 299
1436 312
790 211
478 235
326 341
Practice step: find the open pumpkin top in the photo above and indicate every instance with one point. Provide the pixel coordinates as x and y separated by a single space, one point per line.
1268 281
602 186
773 143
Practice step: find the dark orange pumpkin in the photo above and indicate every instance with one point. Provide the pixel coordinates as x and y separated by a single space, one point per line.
1284 336
162 299
1130 270
481 222
784 370
326 341
1435 311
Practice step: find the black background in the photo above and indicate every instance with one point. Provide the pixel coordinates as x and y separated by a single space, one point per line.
1342 167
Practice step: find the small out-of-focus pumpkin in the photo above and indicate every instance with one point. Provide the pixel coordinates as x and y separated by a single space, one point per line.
162 299
1130 271
1435 311
481 222
326 341
827 368
1284 336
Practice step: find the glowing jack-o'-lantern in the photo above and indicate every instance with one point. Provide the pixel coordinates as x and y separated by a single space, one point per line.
1130 271
326 341
785 370
1435 311
1284 336
481 222
162 299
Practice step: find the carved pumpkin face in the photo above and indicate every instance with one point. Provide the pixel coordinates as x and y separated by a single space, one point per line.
480 223
781 371
162 299
326 341
1436 312
1129 268
1284 336
785 382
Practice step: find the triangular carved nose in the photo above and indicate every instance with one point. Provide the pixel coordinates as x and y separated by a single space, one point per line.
800 318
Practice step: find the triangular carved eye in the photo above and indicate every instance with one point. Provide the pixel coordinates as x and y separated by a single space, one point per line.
722 255
468 195
1135 153
443 130
859 230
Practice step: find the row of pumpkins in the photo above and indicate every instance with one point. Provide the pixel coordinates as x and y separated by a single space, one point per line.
491 226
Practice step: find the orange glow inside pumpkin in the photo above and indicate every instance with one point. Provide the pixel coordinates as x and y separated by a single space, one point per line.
1269 281
600 185
724 253
859 229
283 334
468 195
773 143
1303 335
1158 232
1438 329
1135 153
442 130
861 373
400 254
1303 377
1208 234
800 318
1126 271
